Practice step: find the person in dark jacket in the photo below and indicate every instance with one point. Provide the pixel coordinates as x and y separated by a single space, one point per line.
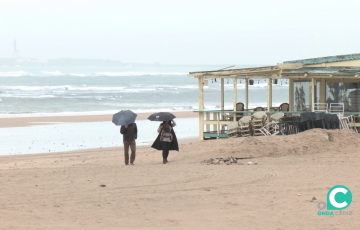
166 139
129 133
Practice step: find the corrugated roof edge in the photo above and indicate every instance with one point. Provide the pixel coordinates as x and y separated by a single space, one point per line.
338 70
237 70
321 60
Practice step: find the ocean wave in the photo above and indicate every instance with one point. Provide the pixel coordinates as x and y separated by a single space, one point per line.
69 113
122 74
14 74
78 74
52 73
28 96
189 87
261 84
63 87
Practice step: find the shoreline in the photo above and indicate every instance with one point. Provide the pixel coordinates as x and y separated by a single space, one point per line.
80 133
10 122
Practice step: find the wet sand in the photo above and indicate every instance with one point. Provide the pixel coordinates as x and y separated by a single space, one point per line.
27 121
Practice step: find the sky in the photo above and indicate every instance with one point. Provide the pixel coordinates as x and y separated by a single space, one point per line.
255 32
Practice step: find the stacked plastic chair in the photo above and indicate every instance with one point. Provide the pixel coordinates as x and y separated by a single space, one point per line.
233 129
244 126
257 122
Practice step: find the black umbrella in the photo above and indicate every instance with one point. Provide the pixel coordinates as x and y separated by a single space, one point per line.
163 116
124 117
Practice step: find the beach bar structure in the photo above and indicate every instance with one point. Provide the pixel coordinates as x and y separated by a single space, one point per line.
325 80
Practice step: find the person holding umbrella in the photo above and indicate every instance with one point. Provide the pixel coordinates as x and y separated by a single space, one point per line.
126 119
166 139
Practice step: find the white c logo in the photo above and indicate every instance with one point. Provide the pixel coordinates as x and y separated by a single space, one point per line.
332 198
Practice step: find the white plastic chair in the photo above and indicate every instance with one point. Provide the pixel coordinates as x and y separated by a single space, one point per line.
321 107
337 108
233 129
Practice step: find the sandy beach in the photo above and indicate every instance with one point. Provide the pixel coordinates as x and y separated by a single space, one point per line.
92 189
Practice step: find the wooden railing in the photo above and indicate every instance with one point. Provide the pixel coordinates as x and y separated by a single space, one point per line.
216 120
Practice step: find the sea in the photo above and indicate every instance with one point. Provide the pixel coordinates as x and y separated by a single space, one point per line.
93 90
39 91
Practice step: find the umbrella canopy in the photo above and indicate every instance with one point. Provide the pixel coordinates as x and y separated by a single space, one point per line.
124 117
163 116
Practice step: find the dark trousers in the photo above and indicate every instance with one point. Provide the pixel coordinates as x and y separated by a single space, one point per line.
132 146
166 147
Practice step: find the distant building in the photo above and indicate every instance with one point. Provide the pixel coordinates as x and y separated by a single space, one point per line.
16 53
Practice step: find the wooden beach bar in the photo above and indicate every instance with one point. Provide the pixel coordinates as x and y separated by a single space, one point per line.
315 84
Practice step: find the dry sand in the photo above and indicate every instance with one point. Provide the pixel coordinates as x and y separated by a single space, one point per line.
63 191
26 121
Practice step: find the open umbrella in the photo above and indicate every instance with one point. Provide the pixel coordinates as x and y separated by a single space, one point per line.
162 116
124 117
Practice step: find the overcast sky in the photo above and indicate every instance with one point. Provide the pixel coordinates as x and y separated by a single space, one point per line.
180 32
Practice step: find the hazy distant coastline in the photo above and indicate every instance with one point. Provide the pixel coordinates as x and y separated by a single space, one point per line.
59 62
92 62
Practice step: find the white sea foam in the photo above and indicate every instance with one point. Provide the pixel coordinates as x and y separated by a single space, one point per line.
65 87
189 87
44 96
119 74
28 96
14 74
78 74
106 112
52 73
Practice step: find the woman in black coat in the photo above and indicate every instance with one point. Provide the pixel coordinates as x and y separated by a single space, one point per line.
166 140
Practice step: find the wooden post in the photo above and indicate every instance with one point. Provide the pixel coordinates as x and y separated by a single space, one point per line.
215 115
269 97
222 93
323 90
269 94
291 95
201 108
235 97
222 100
207 125
313 85
246 93
218 124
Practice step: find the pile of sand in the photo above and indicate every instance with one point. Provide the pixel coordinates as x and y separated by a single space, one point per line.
309 142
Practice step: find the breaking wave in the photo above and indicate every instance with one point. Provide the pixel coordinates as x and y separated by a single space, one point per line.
14 74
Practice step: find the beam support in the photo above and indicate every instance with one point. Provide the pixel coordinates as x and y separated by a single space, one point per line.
269 96
222 93
222 99
214 119
235 97
291 95
201 108
246 93
313 85
323 90
207 129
